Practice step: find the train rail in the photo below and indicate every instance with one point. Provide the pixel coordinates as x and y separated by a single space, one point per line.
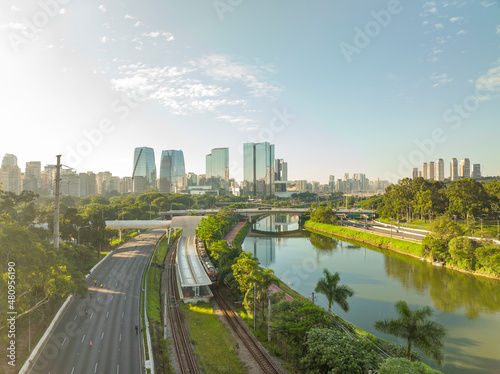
180 335
262 358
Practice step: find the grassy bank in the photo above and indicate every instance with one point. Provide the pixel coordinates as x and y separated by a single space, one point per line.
398 245
214 346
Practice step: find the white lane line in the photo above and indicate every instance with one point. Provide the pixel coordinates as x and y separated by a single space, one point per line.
75 317
117 369
83 338
112 297
95 367
91 315
120 337
63 341
107 314
123 314
102 336
73 370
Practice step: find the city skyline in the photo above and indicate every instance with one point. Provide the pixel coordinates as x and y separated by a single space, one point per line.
381 91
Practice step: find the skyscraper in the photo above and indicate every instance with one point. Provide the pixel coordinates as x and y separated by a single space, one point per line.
439 170
454 169
415 173
258 168
331 182
217 168
476 171
10 174
144 169
172 171
281 170
33 176
430 171
465 168
425 170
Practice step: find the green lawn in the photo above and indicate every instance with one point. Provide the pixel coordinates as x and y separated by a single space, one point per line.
214 346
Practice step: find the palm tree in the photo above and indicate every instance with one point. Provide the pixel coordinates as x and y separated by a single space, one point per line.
329 286
416 329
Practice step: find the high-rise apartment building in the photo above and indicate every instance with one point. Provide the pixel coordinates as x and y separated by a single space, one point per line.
258 168
144 169
430 171
439 170
32 176
217 168
10 174
464 168
454 170
331 182
476 171
415 173
425 171
172 171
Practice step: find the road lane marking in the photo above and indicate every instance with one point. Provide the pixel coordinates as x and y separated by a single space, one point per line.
120 337
102 336
107 314
123 314
73 370
76 315
95 367
91 315
63 341
117 369
83 338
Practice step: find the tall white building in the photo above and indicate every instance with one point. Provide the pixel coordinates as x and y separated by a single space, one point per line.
454 170
439 170
430 171
465 168
425 170
476 171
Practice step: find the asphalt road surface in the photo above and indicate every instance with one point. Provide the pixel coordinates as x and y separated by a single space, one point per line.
396 232
112 313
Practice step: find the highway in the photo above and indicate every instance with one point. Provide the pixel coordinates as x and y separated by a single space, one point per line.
385 229
113 312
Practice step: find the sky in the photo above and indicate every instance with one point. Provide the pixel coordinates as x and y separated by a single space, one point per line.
373 87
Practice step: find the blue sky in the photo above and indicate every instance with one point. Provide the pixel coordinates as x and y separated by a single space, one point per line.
360 87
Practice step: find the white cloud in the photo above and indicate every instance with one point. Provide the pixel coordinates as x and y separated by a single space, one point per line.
440 79
128 16
498 29
439 26
489 82
168 36
104 39
138 23
455 19
102 8
222 68
425 23
487 4
244 123
461 32
62 11
15 8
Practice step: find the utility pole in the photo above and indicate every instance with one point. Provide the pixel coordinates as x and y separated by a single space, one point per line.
312 297
56 202
269 319
254 306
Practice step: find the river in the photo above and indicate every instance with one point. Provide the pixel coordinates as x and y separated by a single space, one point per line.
468 306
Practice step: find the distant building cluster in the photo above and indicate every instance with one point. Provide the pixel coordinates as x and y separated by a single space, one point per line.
263 174
434 171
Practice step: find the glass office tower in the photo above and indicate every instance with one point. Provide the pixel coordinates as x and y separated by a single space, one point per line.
217 168
258 168
172 171
144 169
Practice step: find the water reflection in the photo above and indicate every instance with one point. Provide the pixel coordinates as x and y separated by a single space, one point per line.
323 243
449 290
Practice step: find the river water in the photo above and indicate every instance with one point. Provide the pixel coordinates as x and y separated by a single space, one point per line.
468 306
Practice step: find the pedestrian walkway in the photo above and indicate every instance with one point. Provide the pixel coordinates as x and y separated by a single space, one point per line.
232 234
273 289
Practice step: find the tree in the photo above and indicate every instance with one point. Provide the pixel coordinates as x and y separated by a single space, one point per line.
401 365
444 226
462 251
335 293
323 215
264 279
244 269
468 197
415 327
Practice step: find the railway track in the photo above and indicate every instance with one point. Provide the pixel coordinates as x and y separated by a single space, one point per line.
262 358
180 335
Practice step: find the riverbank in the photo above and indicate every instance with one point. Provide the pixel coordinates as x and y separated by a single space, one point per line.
397 245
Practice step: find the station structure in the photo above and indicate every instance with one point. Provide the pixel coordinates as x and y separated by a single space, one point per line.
192 280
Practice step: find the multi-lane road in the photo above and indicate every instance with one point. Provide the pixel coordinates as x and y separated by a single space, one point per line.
102 340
